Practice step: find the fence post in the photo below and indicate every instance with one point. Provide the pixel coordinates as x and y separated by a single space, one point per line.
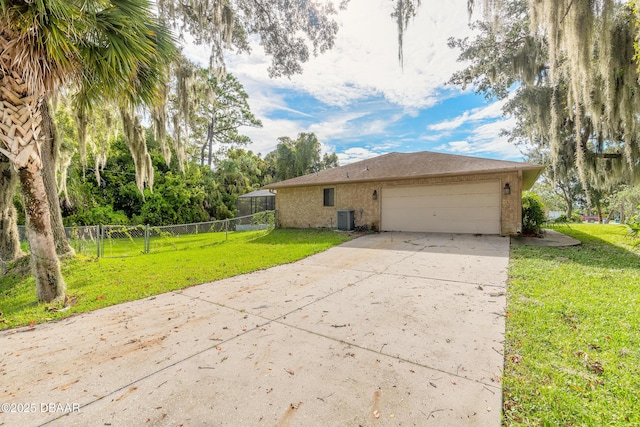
98 231
147 238
226 229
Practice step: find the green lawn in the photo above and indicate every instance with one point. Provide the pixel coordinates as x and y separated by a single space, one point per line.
573 331
93 282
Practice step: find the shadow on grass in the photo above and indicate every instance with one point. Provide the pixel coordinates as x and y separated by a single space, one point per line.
594 251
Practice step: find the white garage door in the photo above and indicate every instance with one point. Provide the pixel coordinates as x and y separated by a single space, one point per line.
451 208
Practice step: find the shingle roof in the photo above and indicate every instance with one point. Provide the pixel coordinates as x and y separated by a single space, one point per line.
422 164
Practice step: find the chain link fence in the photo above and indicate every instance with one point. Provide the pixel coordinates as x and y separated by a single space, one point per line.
111 241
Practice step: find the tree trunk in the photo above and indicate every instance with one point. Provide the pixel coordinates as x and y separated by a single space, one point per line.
20 130
49 153
44 261
204 147
9 238
210 141
569 202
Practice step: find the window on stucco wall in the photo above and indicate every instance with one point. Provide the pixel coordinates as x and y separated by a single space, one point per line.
328 196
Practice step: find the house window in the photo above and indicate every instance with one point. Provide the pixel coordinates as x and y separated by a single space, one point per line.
328 197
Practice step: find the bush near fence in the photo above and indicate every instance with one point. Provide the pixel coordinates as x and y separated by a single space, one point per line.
132 240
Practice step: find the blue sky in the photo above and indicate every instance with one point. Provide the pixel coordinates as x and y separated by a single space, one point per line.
361 103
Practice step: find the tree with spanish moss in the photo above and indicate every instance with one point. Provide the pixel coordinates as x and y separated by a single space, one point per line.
117 45
205 112
587 52
289 32
591 137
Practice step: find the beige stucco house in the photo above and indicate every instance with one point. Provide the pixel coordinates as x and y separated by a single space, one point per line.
425 191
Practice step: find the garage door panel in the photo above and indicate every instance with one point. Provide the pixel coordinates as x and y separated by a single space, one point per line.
435 202
453 226
444 190
457 208
443 214
485 214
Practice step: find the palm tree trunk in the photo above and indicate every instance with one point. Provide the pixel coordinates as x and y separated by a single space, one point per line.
49 154
44 261
20 130
9 238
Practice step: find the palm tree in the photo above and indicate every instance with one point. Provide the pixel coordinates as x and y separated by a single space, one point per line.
109 48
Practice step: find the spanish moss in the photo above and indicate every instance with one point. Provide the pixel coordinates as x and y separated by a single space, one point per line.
135 138
590 49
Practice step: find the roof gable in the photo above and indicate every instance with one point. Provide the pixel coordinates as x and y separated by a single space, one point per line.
422 164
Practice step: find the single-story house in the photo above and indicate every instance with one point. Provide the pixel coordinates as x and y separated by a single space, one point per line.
424 191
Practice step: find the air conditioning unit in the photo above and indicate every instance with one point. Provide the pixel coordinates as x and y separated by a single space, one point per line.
346 220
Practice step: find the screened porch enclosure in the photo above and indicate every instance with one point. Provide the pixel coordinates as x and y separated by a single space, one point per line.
256 201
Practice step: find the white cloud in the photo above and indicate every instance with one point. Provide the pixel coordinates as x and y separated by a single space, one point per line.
452 124
491 111
265 139
364 61
486 139
352 155
328 127
334 125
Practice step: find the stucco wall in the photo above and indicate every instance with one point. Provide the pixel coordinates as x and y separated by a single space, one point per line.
302 207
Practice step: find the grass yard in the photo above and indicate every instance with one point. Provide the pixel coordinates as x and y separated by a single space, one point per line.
573 331
94 283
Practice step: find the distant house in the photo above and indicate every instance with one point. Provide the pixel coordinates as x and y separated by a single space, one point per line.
551 215
255 201
424 192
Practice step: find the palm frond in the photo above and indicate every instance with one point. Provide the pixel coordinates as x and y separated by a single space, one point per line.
114 49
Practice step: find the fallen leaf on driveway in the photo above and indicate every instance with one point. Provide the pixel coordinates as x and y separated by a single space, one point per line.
289 371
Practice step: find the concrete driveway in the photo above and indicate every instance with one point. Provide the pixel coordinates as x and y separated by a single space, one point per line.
388 329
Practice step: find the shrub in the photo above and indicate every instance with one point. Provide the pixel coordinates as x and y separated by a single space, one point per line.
532 213
96 215
634 226
576 217
562 219
264 217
